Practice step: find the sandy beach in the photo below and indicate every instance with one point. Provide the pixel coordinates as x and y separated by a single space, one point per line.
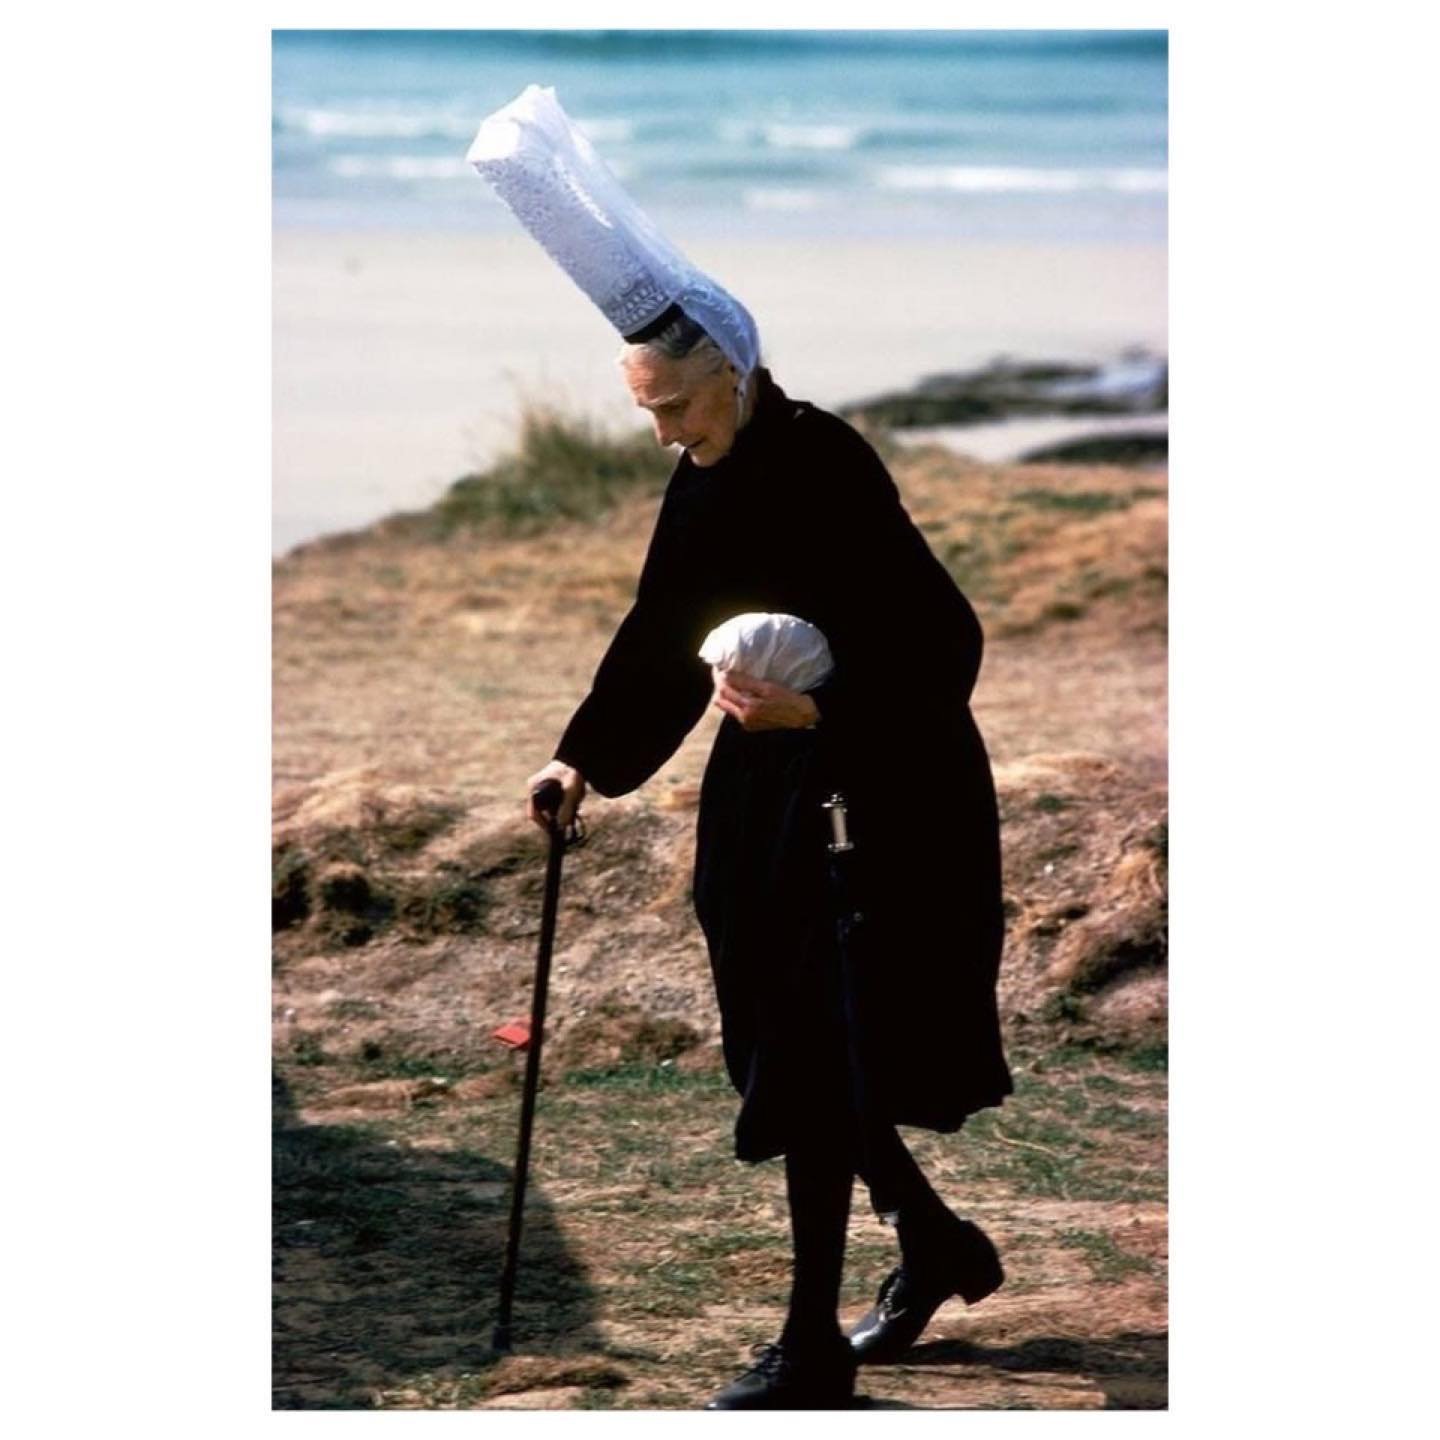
401 360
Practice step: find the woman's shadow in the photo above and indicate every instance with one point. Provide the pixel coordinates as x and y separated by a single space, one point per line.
1131 1369
386 1265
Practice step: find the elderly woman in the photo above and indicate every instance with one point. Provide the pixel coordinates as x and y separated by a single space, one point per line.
777 507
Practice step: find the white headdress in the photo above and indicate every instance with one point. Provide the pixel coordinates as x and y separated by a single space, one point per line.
782 648
566 196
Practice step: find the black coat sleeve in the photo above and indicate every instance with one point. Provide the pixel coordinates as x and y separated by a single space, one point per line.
897 623
651 687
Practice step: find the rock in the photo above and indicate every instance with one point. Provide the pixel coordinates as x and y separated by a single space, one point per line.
1137 383
1129 447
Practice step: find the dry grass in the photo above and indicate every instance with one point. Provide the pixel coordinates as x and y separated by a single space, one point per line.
560 469
420 675
652 1259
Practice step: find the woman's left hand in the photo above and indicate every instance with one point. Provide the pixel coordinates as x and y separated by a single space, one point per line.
762 704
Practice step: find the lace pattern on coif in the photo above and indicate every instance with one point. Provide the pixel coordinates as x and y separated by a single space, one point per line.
572 203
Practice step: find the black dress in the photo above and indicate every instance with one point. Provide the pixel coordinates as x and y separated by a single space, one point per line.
802 518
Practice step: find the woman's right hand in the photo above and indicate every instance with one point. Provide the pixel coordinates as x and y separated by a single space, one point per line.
572 782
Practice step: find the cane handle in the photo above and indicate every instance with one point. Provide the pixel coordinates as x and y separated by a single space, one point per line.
547 797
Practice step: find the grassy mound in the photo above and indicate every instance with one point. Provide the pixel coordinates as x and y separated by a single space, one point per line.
563 468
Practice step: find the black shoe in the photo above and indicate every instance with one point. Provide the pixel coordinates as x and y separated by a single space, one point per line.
788 1379
969 1267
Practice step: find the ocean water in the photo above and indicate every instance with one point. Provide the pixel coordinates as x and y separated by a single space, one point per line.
1047 135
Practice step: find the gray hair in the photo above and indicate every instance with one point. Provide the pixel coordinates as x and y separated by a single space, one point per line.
680 339
685 339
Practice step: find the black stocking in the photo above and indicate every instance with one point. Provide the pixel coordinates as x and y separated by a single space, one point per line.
818 1177
893 1173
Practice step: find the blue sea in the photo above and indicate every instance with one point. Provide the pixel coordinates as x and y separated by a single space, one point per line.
1046 135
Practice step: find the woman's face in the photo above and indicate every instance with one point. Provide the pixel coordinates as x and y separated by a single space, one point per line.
687 407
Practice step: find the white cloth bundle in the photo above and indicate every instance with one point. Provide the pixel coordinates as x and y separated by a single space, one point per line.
782 648
566 196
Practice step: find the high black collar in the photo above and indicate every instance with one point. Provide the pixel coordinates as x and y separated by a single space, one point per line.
772 407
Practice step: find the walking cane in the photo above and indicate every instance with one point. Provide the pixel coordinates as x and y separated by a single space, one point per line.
547 799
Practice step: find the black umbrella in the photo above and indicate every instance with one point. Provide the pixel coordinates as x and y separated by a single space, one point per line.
849 938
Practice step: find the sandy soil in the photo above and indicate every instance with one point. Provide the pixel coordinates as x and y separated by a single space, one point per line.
399 359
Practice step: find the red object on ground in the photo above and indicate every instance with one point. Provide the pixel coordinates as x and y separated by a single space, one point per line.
516 1034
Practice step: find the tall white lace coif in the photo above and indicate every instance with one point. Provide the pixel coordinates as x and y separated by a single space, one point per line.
566 196
782 648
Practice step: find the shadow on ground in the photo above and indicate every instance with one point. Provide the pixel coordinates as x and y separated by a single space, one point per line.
1131 1369
386 1265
